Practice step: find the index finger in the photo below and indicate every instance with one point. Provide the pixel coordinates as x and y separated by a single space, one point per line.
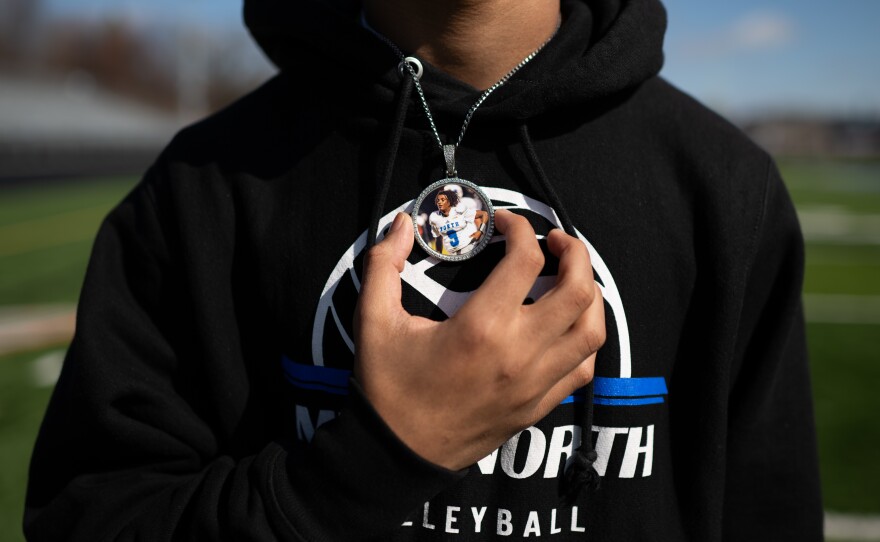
381 290
574 291
510 282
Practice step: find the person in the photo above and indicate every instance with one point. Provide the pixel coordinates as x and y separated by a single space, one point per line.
454 224
251 364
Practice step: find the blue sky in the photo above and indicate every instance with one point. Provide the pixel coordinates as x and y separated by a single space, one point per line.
750 55
741 57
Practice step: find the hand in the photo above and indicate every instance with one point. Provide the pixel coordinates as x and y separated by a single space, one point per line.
476 235
454 391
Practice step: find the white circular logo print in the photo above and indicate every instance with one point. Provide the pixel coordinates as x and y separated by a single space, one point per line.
436 289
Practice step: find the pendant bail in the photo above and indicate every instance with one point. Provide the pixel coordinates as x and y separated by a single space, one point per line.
449 156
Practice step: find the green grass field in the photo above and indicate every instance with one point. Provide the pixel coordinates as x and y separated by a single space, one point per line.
22 402
844 356
46 234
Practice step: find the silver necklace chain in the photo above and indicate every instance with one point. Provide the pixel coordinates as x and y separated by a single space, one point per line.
411 63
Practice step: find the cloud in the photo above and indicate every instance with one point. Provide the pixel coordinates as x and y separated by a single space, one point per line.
755 31
761 30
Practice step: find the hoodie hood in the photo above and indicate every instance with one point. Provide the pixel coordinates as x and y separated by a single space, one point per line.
603 47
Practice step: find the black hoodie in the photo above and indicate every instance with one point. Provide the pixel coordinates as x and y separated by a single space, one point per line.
206 393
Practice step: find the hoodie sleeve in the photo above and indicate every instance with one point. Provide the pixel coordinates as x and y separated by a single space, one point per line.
772 482
136 445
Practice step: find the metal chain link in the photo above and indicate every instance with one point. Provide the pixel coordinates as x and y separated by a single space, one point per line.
408 62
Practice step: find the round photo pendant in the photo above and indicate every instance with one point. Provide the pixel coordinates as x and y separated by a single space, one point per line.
453 219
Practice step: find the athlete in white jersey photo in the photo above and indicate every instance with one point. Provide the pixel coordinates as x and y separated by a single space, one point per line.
457 224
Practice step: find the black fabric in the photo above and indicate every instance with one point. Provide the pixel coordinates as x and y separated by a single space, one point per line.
544 182
206 395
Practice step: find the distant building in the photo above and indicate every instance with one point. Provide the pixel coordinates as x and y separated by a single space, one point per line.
803 136
69 127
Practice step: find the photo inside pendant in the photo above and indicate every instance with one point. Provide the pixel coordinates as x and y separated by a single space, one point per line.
453 220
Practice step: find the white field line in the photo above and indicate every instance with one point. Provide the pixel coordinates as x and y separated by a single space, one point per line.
851 527
842 309
837 225
46 368
27 327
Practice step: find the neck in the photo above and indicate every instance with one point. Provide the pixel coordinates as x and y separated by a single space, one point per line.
475 41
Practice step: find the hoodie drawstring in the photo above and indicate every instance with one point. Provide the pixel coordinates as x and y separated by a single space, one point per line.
551 194
406 86
580 473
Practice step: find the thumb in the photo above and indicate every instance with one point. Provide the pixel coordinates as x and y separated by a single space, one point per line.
399 239
381 290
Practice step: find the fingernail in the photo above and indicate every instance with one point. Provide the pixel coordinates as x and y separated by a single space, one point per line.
399 222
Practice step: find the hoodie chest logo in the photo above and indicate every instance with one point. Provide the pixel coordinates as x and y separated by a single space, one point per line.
436 289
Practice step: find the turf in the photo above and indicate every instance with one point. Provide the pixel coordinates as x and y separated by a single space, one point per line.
844 359
853 185
845 376
843 278
46 234
22 404
45 276
92 197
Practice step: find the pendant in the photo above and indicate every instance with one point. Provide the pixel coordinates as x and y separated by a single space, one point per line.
453 219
